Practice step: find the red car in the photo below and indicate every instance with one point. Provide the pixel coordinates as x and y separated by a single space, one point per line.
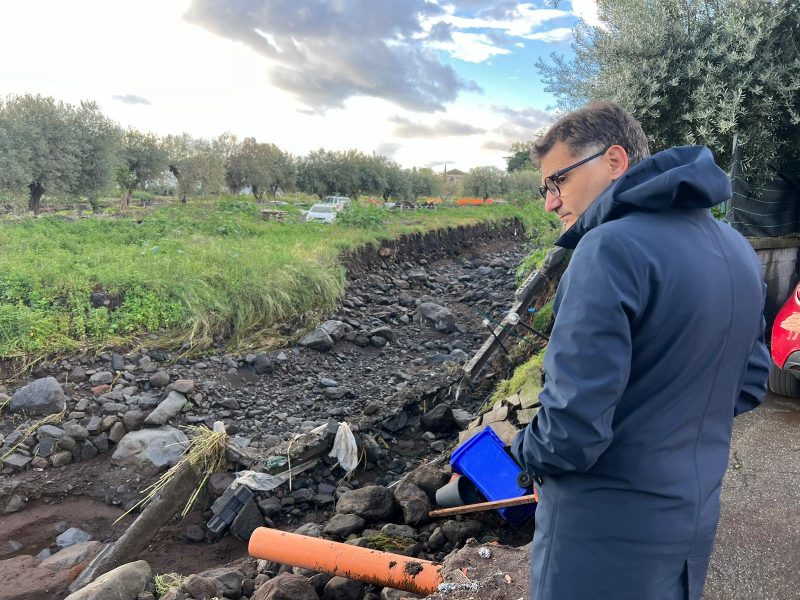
784 376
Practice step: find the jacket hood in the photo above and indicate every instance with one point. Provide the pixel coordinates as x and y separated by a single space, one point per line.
683 177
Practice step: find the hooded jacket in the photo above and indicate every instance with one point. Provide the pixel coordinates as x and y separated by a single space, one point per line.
658 343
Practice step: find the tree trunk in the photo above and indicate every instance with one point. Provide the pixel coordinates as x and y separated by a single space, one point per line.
126 199
35 201
258 194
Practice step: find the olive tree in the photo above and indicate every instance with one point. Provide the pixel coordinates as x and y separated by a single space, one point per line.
197 164
483 182
693 72
142 158
53 147
264 168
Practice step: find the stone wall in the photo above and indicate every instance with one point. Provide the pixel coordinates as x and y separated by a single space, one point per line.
780 267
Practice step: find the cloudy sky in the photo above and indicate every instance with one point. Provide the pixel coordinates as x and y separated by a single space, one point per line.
422 81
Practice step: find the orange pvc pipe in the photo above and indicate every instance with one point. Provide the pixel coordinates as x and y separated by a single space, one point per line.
353 562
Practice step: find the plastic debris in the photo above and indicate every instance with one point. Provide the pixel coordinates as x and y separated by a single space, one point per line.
345 448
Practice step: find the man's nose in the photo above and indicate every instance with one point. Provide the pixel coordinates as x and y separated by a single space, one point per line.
551 202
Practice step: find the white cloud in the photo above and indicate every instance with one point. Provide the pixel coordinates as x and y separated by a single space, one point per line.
470 47
520 22
559 34
586 10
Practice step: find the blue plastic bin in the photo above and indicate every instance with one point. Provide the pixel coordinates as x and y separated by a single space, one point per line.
484 460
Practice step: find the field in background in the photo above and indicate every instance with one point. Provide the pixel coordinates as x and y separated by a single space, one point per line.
197 273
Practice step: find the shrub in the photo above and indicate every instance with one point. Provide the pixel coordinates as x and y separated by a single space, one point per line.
364 216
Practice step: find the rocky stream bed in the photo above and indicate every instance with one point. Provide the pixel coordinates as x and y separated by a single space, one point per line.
386 361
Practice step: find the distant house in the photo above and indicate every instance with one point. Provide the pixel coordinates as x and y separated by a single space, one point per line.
453 176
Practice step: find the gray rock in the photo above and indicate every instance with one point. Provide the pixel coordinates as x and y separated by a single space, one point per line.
59 459
401 531
286 586
150 450
123 583
437 539
16 461
50 431
159 379
335 393
340 588
218 483
441 318
76 431
262 364
133 420
80 553
88 450
335 329
342 525
95 425
45 448
228 581
167 408
384 331
44 554
117 432
101 377
372 502
428 479
78 375
458 532
317 340
413 502
199 588
72 536
11 503
310 529
67 442
439 419
270 506
41 397
184 386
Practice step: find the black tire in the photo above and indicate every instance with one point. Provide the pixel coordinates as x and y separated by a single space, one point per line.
783 382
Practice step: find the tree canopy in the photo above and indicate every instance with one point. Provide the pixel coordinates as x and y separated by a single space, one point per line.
693 72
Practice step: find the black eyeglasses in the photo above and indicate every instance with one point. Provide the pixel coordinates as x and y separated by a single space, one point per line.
551 181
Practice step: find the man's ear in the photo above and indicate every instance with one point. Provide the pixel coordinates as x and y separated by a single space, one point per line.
617 158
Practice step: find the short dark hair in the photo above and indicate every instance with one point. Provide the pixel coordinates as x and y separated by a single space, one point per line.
595 126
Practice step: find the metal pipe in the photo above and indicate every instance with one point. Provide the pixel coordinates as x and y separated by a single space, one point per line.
353 562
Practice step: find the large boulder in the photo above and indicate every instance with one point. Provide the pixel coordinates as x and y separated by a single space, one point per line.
166 409
343 525
319 339
335 329
373 502
438 419
123 583
41 397
228 581
150 450
341 588
428 479
76 554
440 317
286 587
413 502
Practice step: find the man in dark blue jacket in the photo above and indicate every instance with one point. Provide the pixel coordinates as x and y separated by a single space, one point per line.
658 343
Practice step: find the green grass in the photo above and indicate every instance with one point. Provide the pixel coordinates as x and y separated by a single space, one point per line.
526 380
198 273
